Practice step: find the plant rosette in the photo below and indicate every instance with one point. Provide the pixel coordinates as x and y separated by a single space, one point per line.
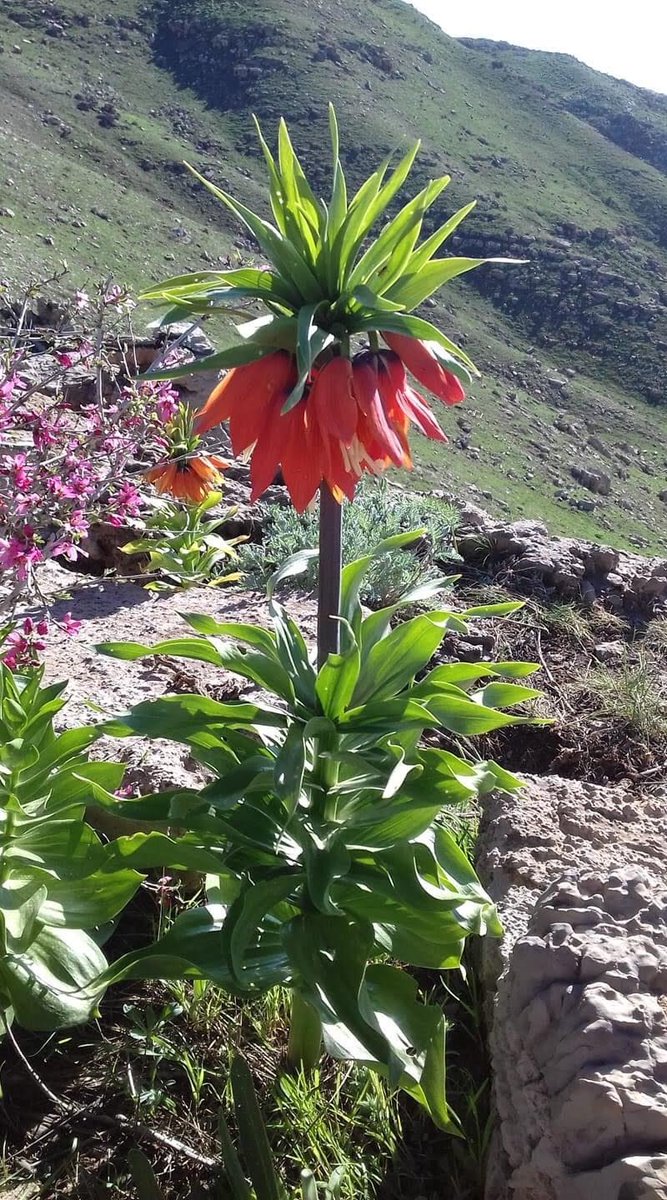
326 833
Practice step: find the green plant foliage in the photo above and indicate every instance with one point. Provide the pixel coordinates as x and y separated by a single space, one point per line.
255 1150
58 893
324 281
324 831
183 546
378 510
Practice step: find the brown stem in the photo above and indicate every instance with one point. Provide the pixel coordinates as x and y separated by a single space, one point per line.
328 600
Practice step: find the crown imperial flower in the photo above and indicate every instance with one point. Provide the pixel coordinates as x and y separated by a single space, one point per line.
298 395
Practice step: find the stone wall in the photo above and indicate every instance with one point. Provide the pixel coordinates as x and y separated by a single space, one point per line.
578 992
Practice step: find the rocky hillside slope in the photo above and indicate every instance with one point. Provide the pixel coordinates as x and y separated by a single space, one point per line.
98 107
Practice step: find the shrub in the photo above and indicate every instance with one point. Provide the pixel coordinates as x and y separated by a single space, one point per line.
64 469
379 510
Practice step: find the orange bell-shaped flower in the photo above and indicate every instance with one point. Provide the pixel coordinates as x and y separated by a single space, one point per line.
426 367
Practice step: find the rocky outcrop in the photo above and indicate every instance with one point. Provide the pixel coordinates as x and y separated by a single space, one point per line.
579 986
567 293
566 567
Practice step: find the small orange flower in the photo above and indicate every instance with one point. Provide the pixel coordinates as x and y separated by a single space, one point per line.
190 477
426 367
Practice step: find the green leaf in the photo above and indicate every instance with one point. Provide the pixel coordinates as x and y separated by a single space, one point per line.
503 695
254 635
304 214
392 663
183 718
492 610
276 192
263 669
234 1171
289 766
418 1032
154 849
195 281
241 931
370 1013
336 681
338 206
408 220
412 289
252 1133
369 203
516 670
309 1186
311 341
193 648
56 982
425 252
293 654
67 848
461 715
353 574
143 1176
88 902
279 249
237 355
296 564
190 950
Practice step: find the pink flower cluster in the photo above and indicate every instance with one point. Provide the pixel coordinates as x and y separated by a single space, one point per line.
26 643
72 468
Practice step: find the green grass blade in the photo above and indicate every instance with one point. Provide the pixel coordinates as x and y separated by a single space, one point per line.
252 1132
235 1176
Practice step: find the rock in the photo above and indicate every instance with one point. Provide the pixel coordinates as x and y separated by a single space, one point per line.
526 552
578 989
609 652
7 212
663 495
595 481
596 443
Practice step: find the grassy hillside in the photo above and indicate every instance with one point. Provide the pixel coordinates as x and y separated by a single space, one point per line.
100 104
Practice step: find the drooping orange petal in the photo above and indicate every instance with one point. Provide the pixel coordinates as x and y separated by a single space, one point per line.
423 364
368 386
333 401
421 415
240 385
267 453
202 467
406 403
220 403
271 376
166 479
301 459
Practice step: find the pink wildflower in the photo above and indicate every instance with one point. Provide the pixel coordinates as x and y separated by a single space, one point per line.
69 625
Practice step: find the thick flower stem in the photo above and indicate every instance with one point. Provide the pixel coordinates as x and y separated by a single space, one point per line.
305 1035
328 600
